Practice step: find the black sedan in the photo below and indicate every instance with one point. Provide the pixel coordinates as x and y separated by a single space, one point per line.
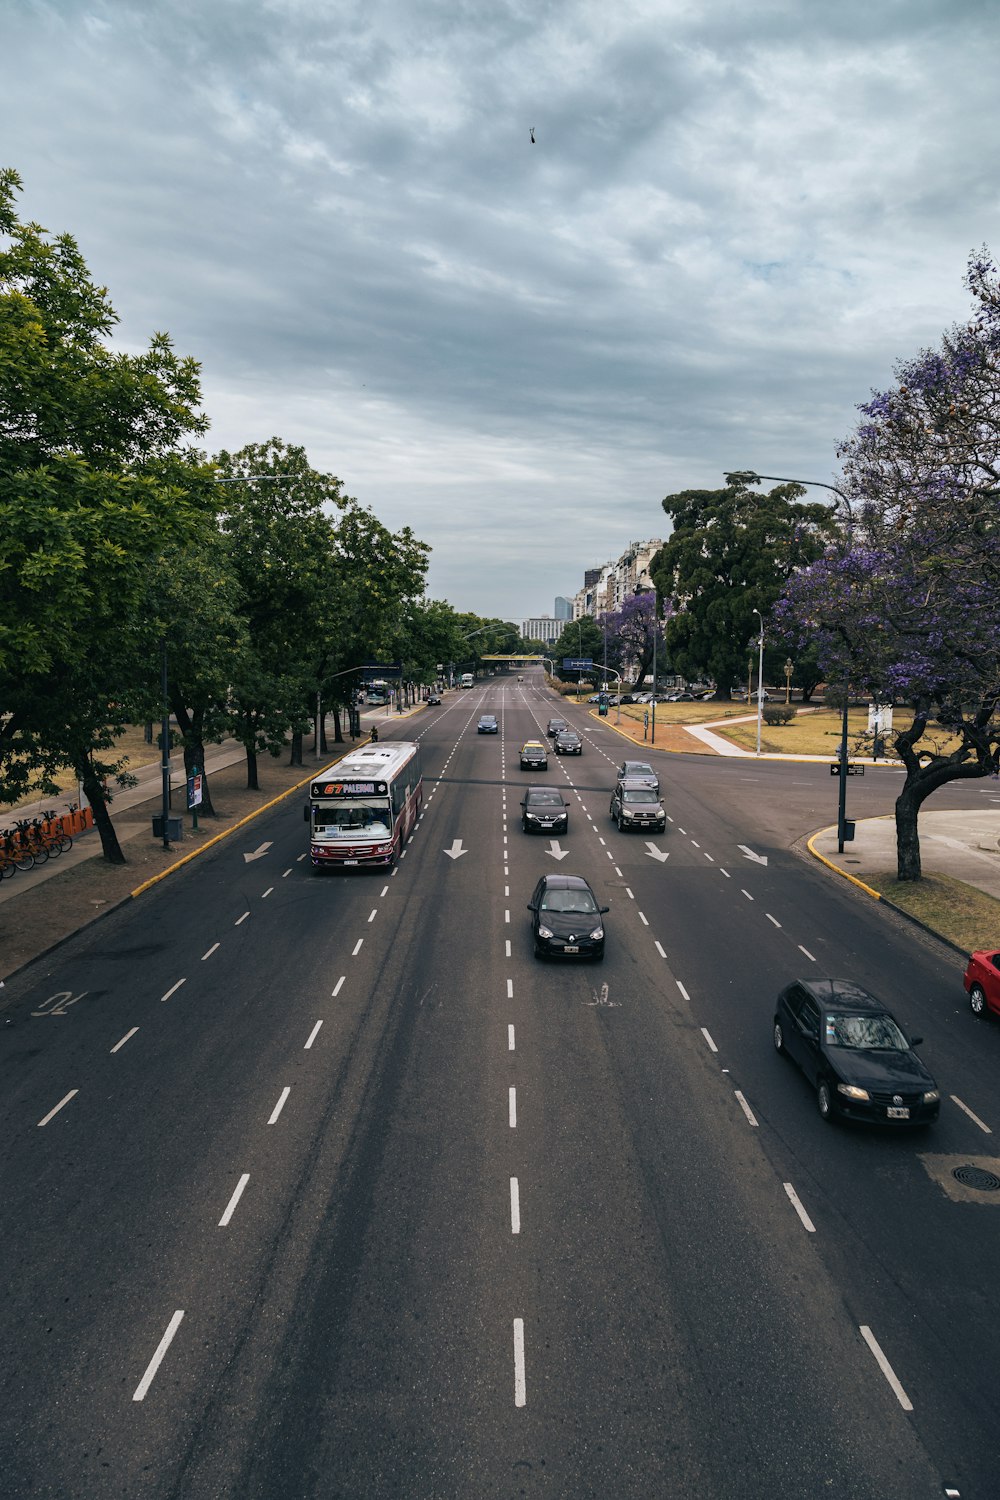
568 742
854 1053
488 725
544 811
433 700
554 727
566 918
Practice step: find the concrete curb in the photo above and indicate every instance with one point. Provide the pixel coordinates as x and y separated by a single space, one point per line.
877 895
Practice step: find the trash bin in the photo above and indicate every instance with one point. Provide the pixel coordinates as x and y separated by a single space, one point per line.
175 827
602 709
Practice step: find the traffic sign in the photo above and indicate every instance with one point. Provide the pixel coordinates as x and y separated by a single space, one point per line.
577 663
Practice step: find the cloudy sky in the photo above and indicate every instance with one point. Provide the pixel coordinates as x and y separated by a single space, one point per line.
734 219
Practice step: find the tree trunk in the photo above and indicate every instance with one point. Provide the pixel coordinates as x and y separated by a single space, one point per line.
338 736
295 758
94 791
191 726
323 742
253 785
907 837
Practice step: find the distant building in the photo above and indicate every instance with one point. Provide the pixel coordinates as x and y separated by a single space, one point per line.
563 609
546 629
605 589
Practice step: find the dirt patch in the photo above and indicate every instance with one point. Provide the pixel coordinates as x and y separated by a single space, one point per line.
44 913
668 736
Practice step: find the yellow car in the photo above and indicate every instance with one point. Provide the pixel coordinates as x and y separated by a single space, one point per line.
534 756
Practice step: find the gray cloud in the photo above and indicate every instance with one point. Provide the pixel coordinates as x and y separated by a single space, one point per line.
734 219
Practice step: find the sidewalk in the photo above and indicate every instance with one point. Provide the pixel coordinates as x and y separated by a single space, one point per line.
962 845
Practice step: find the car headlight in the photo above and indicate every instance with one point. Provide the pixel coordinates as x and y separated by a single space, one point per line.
931 1096
851 1092
597 933
544 932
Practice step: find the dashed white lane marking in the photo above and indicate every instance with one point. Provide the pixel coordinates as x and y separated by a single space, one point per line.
520 1389
506 948
506 890
618 872
312 1036
506 916
746 894
886 1368
708 856
629 894
695 843
265 894
241 919
807 953
285 873
744 1106
510 989
53 1112
173 989
299 858
682 990
725 872
966 1110
373 914
680 829
708 1039
337 986
357 948
231 1205
669 818
772 919
515 1207
794 1200
209 953
154 1364
279 1106
385 891
510 1038
512 1108
119 1045
643 919
659 948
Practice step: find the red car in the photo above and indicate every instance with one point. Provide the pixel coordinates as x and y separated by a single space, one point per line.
982 982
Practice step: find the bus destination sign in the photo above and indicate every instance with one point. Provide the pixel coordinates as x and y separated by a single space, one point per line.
349 789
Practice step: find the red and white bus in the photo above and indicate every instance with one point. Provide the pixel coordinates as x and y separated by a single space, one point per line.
362 809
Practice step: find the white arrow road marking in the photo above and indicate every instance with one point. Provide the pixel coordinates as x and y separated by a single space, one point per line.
258 853
655 853
555 850
759 859
456 851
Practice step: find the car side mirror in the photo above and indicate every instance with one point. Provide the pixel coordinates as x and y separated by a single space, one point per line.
524 801
532 906
604 909
915 1041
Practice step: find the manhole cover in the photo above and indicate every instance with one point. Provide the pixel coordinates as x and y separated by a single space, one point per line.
976 1177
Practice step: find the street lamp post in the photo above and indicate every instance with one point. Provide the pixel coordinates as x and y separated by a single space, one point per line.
749 477
760 676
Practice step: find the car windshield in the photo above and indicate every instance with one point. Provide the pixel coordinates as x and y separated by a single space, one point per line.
569 901
641 794
568 734
865 1033
636 768
544 799
531 748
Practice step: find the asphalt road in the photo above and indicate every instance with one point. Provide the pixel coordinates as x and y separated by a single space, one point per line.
323 1186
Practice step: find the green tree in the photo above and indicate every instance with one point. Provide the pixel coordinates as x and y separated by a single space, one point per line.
730 551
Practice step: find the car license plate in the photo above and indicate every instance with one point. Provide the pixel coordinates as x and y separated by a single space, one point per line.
897 1114
350 861
570 948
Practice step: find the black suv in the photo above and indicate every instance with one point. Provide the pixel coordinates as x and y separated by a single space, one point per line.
544 811
634 804
854 1053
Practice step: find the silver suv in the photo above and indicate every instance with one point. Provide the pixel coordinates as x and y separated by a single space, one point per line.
634 804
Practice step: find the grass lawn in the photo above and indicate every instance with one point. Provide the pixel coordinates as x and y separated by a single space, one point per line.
959 912
817 732
680 713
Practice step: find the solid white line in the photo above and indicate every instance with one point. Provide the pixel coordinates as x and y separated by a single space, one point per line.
157 1359
209 953
512 1108
682 989
520 1395
886 1368
312 1036
357 948
279 1106
793 1199
746 894
708 1039
241 919
515 1207
336 988
807 953
659 948
744 1106
510 989
955 1100
58 1107
124 1039
265 894
237 1195
643 919
173 989
374 914
772 919
510 1038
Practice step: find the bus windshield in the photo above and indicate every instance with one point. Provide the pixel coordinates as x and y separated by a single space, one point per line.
369 815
